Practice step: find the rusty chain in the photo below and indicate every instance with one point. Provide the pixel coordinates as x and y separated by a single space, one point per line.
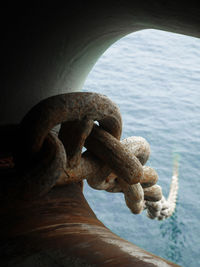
43 160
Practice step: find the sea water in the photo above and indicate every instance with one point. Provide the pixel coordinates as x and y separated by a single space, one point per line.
154 77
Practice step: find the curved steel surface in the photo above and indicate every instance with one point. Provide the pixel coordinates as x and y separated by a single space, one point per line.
60 229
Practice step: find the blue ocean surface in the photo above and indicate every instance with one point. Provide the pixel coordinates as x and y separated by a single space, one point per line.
154 77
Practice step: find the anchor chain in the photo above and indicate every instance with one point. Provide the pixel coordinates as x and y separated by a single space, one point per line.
42 159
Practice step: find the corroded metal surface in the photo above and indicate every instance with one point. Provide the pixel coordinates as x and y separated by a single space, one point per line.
73 135
60 228
111 152
38 154
138 146
134 196
68 107
153 193
90 168
149 178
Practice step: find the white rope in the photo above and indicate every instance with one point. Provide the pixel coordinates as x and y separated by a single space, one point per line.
165 208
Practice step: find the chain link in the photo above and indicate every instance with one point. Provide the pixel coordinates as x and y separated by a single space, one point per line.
43 160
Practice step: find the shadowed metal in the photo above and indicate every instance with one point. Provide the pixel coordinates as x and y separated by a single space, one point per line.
46 52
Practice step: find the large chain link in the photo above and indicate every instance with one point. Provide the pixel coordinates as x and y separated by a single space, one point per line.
43 160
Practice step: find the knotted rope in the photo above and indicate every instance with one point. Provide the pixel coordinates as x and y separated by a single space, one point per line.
165 208
43 160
